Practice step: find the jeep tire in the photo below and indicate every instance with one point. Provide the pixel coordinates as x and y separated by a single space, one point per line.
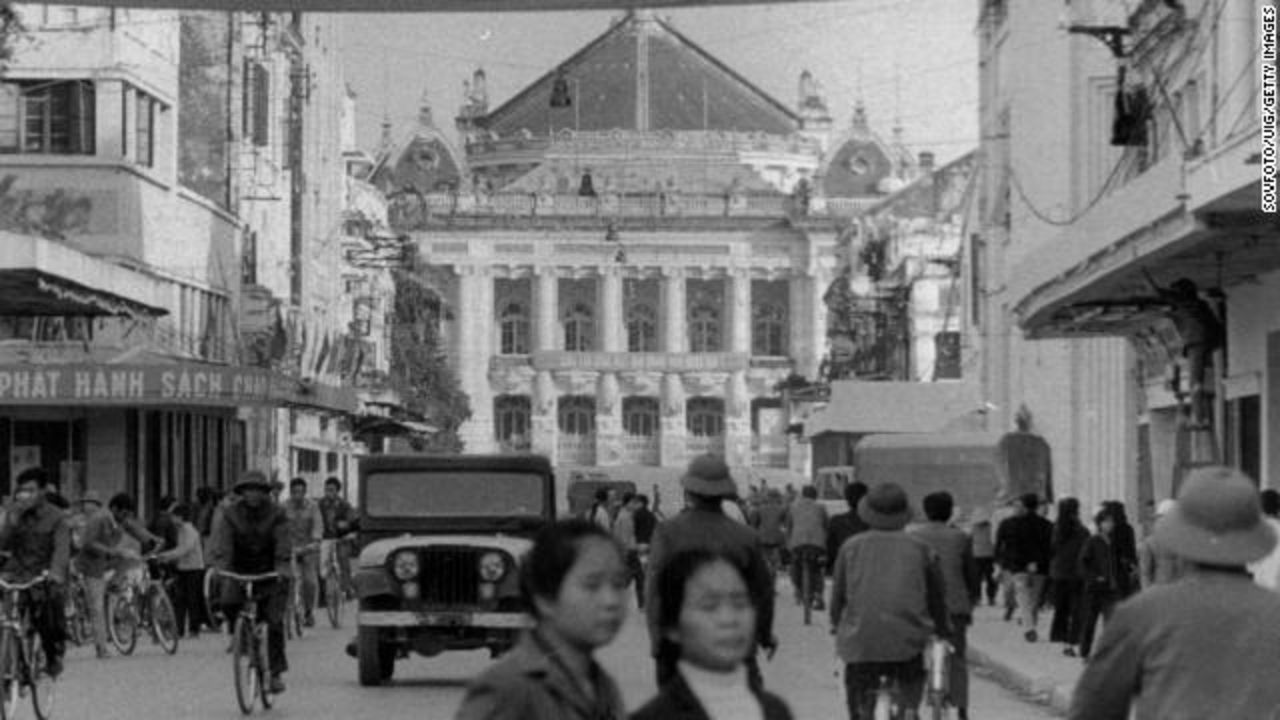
377 661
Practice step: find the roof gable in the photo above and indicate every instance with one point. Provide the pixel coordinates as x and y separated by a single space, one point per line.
686 89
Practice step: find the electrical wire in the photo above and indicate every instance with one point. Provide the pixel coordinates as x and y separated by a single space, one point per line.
1075 217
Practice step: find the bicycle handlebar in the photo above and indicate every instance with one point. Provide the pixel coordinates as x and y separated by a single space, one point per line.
260 577
38 580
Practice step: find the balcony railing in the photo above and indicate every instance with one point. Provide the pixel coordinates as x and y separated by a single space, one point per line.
576 449
769 451
640 449
703 444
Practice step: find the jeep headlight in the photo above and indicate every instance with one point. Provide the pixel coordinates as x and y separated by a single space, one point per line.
492 567
405 566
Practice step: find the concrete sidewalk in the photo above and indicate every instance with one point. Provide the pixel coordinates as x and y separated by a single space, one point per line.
1038 670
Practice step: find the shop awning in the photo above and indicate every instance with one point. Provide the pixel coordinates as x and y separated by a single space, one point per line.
39 276
409 6
164 384
862 407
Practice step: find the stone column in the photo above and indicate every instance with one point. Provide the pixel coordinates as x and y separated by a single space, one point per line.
739 305
798 317
543 423
674 312
546 300
475 326
612 328
737 419
816 323
673 448
608 420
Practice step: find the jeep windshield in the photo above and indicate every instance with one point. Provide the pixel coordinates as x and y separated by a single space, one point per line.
455 494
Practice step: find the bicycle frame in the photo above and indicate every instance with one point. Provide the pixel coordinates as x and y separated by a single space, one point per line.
256 654
16 624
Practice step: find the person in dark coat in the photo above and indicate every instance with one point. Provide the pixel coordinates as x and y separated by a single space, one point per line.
252 536
703 525
1100 574
1024 547
1125 540
1202 648
709 616
575 581
960 578
1069 536
846 524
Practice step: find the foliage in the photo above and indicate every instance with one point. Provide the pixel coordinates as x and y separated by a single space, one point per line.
11 29
420 371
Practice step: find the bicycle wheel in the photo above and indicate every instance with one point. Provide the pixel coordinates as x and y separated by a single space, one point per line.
75 621
245 666
122 623
212 607
261 647
333 600
41 682
806 588
164 622
937 706
10 675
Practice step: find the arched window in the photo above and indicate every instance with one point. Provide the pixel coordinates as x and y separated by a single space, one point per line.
640 416
769 330
642 328
577 415
579 328
514 323
511 415
705 417
704 329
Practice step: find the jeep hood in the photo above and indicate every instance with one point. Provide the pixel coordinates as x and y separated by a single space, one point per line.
375 553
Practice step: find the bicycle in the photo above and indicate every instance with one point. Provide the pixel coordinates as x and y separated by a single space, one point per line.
296 613
331 574
23 665
135 605
810 563
937 662
79 623
250 662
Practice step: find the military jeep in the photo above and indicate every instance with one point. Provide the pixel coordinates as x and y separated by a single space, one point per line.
441 540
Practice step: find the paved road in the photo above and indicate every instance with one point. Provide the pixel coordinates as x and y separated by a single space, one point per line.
196 683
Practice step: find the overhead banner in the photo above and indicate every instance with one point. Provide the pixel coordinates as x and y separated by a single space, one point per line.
178 384
412 6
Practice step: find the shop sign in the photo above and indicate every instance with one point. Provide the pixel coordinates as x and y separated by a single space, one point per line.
178 384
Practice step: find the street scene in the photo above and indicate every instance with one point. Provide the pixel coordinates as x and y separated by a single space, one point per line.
586 359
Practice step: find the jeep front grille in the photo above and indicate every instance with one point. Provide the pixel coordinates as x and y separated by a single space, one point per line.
450 575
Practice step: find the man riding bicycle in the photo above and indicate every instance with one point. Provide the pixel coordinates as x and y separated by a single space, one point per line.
339 520
36 538
306 528
253 538
806 525
886 601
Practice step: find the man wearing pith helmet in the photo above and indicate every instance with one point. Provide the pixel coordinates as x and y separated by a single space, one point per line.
703 525
1204 647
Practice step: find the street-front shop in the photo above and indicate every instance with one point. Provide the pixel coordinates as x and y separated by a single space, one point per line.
148 429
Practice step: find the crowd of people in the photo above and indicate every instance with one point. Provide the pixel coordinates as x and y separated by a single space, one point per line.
1187 625
246 531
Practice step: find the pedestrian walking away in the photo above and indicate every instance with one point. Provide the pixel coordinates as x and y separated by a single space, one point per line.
1202 648
806 528
1024 547
1069 536
960 579
984 552
887 601
709 616
703 525
575 582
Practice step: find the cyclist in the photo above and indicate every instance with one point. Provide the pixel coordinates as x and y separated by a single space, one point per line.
102 554
886 601
806 526
37 538
339 520
253 538
306 528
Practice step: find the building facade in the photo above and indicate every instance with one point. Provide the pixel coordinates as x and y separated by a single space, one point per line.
1131 166
636 248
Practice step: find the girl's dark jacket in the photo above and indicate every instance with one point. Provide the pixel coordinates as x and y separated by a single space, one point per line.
676 701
